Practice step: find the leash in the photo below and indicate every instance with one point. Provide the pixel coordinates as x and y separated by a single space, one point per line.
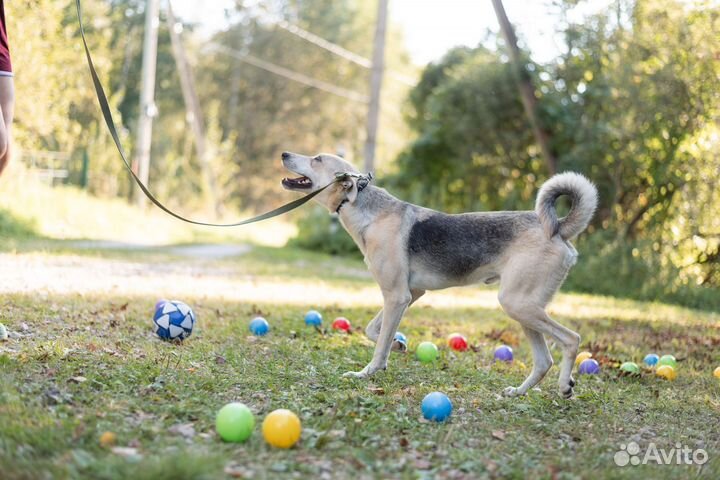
107 115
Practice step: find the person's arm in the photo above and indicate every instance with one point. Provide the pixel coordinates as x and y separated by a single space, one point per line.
7 104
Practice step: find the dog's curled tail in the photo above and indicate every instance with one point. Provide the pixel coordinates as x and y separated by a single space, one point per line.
583 196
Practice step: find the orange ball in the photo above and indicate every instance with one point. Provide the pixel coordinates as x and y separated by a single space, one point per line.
581 357
281 428
667 372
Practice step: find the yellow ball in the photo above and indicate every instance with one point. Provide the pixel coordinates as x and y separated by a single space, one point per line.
717 372
666 371
281 428
582 356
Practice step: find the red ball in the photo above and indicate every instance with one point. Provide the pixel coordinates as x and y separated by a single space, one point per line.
458 342
341 323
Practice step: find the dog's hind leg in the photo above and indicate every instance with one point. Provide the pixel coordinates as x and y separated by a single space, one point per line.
373 328
525 290
542 361
534 317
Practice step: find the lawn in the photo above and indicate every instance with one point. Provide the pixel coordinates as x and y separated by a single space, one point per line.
83 361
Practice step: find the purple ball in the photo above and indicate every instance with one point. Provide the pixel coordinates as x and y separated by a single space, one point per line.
504 353
589 367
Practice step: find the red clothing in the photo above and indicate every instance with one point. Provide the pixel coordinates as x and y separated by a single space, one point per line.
5 65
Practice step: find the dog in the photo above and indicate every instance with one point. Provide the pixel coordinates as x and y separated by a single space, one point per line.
410 249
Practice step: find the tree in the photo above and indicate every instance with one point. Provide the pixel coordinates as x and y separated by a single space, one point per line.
632 103
525 86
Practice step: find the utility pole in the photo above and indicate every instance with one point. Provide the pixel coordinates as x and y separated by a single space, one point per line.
192 107
376 77
527 91
148 109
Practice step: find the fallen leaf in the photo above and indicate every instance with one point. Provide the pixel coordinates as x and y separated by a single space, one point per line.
335 434
377 390
236 470
78 379
220 360
510 338
126 452
108 439
498 435
186 430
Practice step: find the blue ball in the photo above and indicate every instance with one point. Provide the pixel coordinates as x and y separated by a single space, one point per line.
259 326
173 320
436 406
651 359
313 318
589 367
400 337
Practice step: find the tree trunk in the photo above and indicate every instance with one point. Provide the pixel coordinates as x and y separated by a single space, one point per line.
376 74
527 91
194 112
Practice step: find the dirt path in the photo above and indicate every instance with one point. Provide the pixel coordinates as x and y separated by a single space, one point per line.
204 275
205 251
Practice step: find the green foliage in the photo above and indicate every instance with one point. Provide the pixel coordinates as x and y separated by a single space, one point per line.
321 232
608 266
632 104
12 226
472 136
250 115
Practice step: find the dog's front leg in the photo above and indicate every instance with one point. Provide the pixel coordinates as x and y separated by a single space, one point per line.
372 331
394 307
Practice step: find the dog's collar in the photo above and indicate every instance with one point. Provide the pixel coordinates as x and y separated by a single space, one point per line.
362 182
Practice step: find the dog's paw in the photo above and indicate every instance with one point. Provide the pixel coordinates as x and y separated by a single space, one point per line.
366 372
362 374
567 391
512 392
399 346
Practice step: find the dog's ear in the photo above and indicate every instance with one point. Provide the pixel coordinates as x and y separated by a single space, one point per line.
349 185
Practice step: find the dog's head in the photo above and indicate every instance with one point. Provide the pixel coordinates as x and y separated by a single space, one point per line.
318 171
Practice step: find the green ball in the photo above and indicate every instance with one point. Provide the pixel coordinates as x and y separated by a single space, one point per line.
235 422
630 367
667 360
427 352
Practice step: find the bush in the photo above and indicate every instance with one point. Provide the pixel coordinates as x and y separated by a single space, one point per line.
608 266
12 226
320 232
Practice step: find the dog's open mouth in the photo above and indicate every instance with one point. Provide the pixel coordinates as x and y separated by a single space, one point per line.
300 182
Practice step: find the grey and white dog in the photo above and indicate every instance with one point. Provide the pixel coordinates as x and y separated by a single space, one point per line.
410 249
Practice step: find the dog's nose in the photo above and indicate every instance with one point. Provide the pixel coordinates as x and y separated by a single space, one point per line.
286 155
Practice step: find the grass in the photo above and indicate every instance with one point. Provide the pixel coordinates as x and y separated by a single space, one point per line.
30 208
85 362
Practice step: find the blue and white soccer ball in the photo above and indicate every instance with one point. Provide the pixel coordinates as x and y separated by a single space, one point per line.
173 320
